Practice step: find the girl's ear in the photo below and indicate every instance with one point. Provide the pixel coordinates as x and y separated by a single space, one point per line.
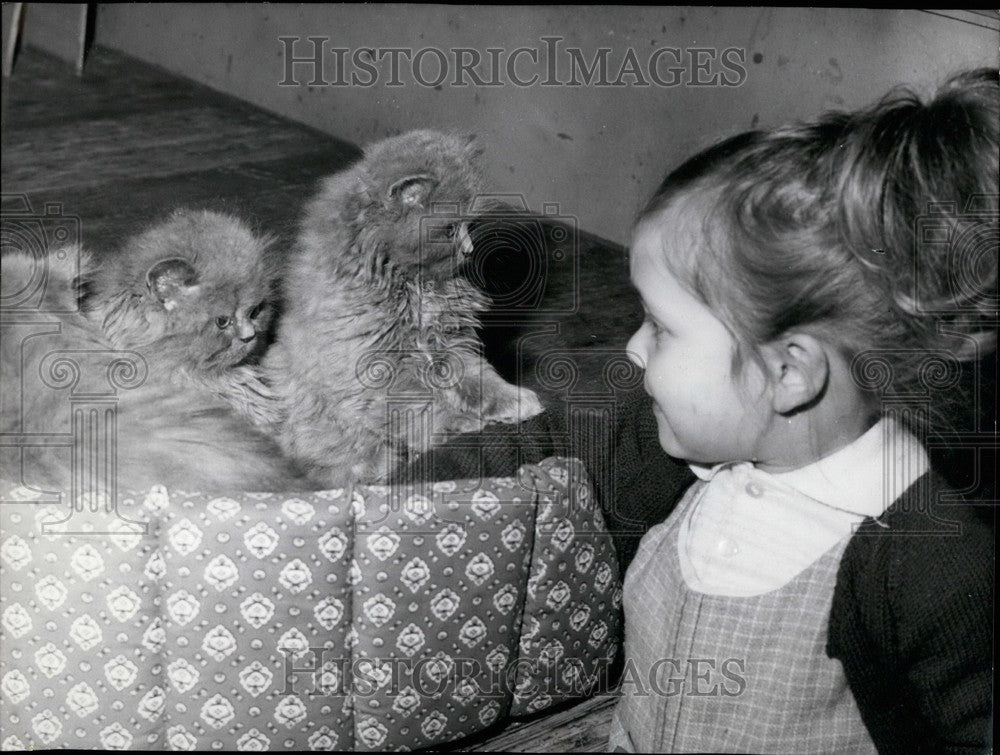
798 369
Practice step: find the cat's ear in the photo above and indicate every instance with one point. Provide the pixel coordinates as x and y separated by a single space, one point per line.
170 279
473 148
412 191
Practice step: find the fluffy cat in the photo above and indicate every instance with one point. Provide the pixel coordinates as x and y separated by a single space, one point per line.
377 315
190 296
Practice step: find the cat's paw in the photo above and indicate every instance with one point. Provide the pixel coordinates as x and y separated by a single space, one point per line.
471 422
245 390
523 405
530 404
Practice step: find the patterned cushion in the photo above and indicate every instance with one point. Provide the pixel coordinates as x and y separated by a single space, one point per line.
371 618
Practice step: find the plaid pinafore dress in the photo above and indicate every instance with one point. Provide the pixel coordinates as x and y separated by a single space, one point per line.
716 673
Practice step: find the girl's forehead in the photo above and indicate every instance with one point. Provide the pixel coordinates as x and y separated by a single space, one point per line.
677 237
658 237
680 219
650 269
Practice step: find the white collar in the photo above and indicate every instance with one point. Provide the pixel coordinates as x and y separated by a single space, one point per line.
864 477
706 473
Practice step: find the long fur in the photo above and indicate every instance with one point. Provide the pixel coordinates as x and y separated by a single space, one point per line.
192 422
378 316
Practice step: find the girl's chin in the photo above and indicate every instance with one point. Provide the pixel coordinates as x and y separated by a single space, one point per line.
668 441
672 448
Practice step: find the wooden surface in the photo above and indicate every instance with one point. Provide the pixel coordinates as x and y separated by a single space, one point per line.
60 29
580 727
124 144
12 16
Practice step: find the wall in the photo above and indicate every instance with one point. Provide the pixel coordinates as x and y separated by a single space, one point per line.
596 151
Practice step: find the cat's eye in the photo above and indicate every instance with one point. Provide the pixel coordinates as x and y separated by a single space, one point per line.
223 322
255 312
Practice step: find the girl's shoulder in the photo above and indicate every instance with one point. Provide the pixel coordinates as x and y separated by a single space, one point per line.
912 619
929 522
929 542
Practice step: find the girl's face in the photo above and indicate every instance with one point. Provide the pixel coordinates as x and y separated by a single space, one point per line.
704 412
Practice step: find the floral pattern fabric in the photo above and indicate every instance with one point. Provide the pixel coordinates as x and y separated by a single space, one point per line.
370 618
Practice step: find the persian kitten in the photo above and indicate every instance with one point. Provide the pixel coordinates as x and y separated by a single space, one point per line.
377 355
187 302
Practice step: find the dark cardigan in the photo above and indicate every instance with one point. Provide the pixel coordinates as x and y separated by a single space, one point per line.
912 614
912 622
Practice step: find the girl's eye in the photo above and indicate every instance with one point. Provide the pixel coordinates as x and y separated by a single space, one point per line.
223 322
255 312
451 230
658 330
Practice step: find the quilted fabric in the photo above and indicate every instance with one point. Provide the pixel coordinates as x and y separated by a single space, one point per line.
371 618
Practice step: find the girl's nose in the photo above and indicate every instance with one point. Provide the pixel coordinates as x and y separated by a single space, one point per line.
634 349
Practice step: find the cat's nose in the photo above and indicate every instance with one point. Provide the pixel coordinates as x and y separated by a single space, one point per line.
247 333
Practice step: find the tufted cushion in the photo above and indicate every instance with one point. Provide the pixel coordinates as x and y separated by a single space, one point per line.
370 618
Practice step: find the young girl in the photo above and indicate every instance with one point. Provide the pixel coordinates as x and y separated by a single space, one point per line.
808 291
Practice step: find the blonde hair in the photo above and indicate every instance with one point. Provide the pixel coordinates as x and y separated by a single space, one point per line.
874 230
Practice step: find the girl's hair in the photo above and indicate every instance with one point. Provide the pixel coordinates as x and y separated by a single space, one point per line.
875 230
